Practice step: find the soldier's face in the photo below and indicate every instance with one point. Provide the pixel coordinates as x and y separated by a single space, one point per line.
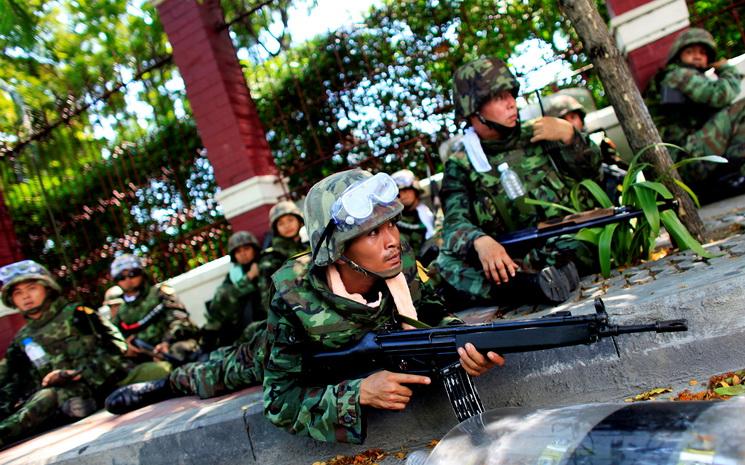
130 280
244 254
575 120
27 296
379 250
695 55
501 109
288 226
407 197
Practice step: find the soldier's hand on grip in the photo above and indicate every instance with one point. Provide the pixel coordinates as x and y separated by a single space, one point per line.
475 363
386 390
495 260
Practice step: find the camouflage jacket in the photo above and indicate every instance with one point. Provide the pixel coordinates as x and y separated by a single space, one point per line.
475 203
694 98
74 337
412 229
171 324
237 302
305 316
272 259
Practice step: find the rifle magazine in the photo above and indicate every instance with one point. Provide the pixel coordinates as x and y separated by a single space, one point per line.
461 392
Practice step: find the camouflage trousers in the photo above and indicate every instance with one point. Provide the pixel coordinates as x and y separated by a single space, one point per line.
43 410
226 370
724 135
468 277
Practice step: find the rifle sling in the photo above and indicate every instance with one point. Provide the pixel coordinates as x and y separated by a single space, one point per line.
415 323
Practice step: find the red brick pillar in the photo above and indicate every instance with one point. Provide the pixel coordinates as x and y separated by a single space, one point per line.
224 111
10 251
644 31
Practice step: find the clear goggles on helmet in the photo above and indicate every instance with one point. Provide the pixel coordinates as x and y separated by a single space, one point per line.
357 202
404 179
22 268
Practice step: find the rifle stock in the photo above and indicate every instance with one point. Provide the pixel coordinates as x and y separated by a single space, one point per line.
427 351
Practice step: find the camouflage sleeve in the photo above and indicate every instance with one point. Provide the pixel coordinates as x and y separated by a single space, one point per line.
717 93
105 363
325 413
269 263
221 309
458 229
180 327
15 376
582 158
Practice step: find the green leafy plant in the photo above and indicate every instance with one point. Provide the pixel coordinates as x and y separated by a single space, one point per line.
627 243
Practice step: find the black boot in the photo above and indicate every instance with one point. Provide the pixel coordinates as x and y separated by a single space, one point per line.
129 398
549 285
569 270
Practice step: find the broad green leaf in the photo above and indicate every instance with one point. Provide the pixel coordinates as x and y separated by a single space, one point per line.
657 187
647 201
604 248
737 390
709 158
681 235
543 203
688 190
591 235
597 192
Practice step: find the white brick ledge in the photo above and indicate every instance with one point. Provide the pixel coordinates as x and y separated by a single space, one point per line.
249 194
648 23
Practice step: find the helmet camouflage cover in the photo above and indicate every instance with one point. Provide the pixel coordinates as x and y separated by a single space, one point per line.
25 270
562 104
318 205
692 36
286 207
241 238
479 80
123 262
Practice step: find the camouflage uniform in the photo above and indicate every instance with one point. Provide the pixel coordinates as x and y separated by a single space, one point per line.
237 301
73 337
171 325
305 316
281 248
475 203
696 112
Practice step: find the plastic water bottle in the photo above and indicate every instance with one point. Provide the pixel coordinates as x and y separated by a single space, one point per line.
511 182
35 352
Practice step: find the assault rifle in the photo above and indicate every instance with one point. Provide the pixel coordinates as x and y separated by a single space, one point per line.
150 350
524 239
433 352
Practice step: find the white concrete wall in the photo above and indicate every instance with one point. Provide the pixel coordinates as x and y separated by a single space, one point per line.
196 287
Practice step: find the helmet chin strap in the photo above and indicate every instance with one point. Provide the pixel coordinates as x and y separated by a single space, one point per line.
505 131
375 274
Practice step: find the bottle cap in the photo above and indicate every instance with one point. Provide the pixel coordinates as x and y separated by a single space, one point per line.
26 341
503 167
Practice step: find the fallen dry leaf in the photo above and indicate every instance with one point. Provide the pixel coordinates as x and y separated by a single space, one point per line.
433 443
692 382
649 395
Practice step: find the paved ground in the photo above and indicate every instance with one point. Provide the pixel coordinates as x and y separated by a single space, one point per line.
231 430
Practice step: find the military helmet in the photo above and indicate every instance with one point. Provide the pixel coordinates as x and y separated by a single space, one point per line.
25 270
477 81
113 296
346 205
241 238
694 35
561 104
286 207
405 179
124 262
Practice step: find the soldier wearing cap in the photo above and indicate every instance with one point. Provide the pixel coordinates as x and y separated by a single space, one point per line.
151 313
237 301
112 300
358 278
417 222
548 155
61 364
287 221
697 113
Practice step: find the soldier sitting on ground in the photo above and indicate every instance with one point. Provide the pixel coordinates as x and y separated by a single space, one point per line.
697 113
417 222
286 220
359 278
151 313
237 301
613 167
59 366
548 155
